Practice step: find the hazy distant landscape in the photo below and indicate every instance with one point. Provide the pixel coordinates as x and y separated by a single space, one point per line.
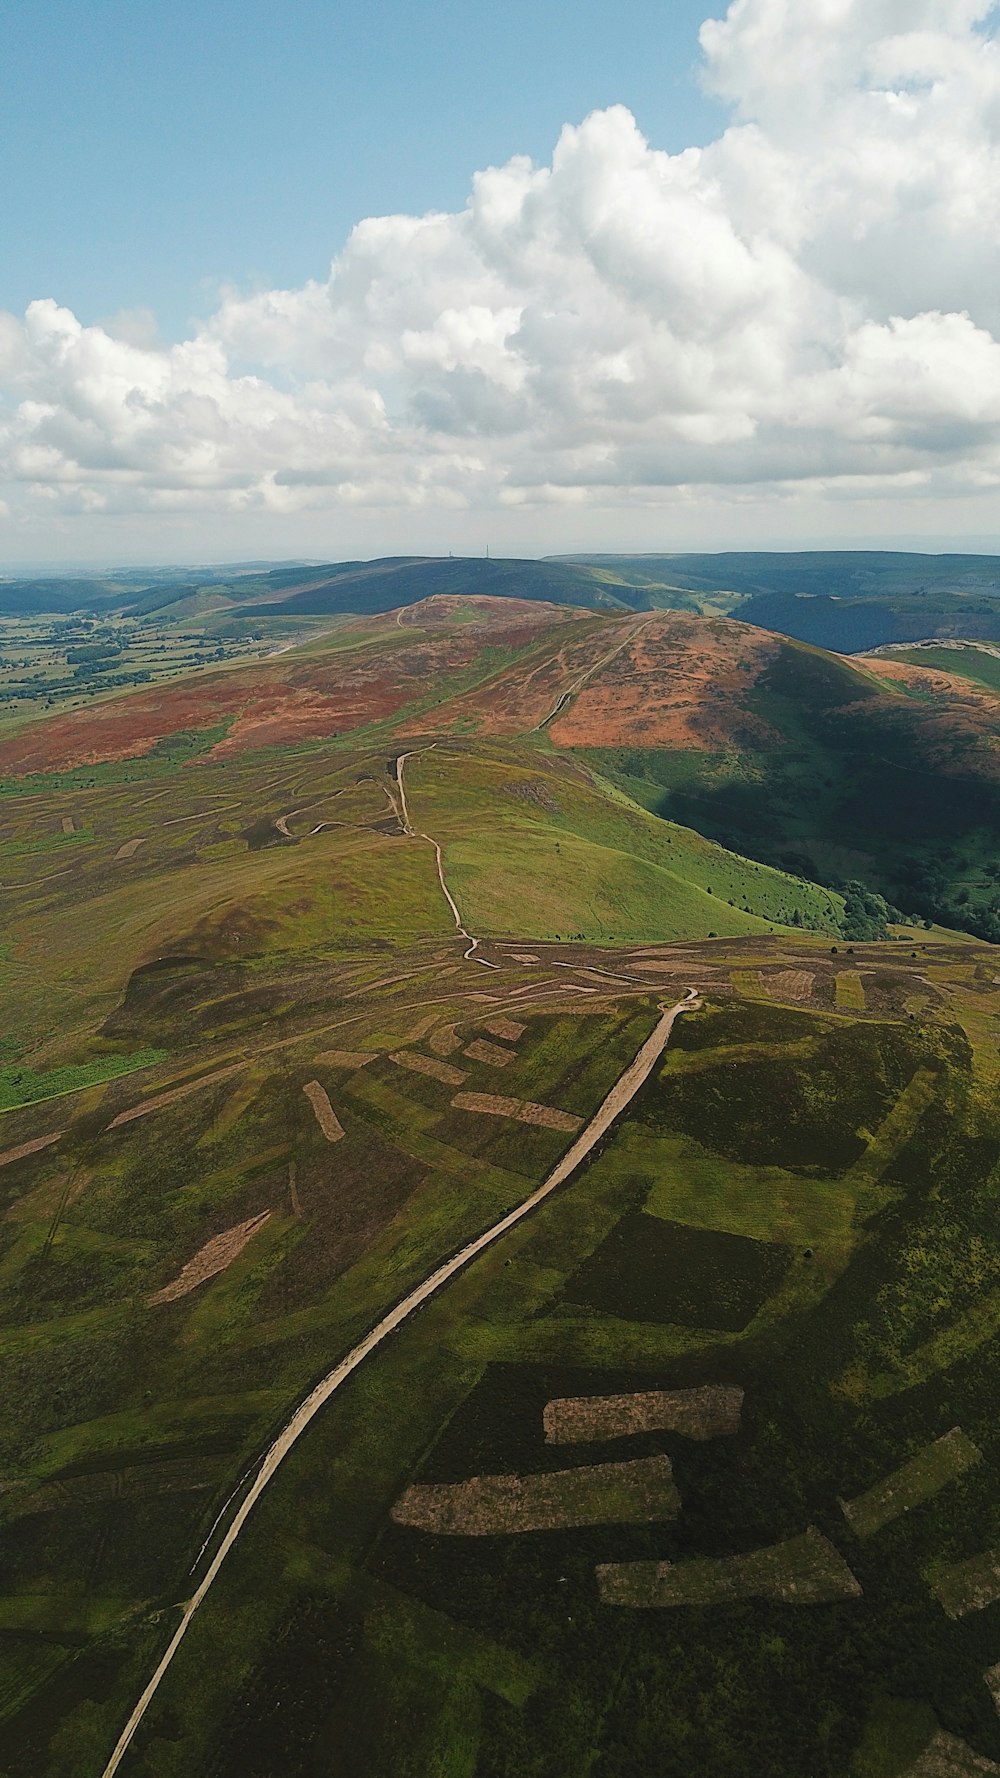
846 600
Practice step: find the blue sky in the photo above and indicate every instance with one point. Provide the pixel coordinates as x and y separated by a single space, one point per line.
337 281
153 152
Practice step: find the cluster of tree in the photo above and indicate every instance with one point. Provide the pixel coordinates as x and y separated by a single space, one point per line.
931 889
89 654
94 680
867 916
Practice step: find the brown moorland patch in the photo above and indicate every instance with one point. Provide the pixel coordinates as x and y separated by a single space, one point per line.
445 1041
525 695
278 702
418 1064
32 1147
490 1505
547 1117
491 1053
969 1585
948 1757
508 1029
326 1117
679 682
713 1411
216 1256
788 984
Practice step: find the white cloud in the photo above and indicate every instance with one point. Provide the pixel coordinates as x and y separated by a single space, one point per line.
810 303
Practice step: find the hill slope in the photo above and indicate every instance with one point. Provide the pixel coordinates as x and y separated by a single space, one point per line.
807 762
300 1028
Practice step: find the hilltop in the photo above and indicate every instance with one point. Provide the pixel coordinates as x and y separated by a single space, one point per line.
830 769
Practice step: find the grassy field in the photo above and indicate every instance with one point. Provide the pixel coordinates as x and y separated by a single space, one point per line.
175 854
968 663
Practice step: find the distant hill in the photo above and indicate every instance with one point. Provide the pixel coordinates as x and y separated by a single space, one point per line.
845 600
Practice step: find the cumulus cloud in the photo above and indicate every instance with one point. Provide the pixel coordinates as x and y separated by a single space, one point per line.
812 302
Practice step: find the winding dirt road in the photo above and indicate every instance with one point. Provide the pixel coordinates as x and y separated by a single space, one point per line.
621 1095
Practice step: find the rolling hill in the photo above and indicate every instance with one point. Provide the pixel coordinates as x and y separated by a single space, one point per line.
835 771
846 600
497 1271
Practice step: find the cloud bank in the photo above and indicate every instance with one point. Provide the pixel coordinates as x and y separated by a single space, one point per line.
809 306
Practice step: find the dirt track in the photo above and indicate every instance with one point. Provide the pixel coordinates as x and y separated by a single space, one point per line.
404 819
621 1095
597 667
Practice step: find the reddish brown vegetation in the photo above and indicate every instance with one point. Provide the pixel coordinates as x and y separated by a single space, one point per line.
681 682
664 679
288 699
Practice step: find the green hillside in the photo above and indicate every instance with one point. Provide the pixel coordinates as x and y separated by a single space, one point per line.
968 663
531 845
319 973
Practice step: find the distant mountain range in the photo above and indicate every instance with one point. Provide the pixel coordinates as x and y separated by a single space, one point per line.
845 600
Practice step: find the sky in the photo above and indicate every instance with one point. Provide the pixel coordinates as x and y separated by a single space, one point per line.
343 280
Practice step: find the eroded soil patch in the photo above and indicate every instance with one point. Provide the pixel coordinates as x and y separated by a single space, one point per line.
711 1412
216 1256
326 1117
490 1505
547 1117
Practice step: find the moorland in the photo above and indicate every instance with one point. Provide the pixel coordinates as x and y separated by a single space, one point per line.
317 968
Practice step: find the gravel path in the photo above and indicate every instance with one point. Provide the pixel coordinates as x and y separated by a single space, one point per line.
621 1094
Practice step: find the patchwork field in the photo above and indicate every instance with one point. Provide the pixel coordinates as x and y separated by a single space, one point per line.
686 1322
421 1439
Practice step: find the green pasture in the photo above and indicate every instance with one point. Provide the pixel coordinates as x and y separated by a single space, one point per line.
969 663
